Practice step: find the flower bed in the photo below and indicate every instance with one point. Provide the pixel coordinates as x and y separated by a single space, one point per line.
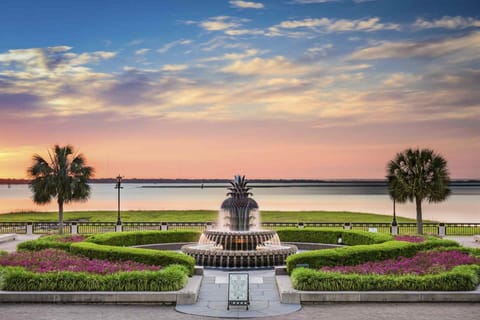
72 238
410 238
54 260
425 262
363 253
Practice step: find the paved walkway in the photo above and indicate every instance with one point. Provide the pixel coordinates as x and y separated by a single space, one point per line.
336 311
464 241
264 298
11 246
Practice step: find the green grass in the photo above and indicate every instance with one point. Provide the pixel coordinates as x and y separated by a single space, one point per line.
199 216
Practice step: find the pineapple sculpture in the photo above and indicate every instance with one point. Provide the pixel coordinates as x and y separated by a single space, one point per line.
239 205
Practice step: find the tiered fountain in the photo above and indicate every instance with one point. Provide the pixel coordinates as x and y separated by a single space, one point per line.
238 242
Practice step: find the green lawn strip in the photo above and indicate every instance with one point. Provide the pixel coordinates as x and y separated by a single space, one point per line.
171 278
198 216
354 255
460 278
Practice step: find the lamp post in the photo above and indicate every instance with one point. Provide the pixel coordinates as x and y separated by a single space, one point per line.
118 186
394 221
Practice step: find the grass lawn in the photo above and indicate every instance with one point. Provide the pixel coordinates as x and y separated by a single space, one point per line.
199 216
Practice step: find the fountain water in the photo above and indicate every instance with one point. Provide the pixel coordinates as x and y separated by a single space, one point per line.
238 242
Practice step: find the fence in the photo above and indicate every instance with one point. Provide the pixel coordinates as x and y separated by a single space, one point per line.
453 229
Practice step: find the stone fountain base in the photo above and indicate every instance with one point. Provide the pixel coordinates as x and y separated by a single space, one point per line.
239 249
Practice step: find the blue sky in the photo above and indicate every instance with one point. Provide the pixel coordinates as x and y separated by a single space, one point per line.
348 79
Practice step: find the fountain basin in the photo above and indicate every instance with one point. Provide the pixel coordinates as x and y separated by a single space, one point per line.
266 257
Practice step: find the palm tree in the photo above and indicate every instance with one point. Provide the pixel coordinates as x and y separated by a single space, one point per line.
65 178
418 175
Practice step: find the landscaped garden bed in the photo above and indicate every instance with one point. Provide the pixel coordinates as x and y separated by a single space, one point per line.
76 263
407 263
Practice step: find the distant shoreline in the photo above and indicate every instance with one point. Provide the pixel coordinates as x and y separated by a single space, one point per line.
272 182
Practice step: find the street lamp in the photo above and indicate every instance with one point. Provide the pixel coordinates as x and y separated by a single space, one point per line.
118 186
394 221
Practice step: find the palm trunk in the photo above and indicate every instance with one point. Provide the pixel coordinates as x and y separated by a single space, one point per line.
418 202
60 216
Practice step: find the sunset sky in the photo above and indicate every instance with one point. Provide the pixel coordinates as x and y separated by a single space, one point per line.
271 89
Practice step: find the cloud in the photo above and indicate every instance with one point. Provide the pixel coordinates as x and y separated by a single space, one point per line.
16 103
170 45
174 67
259 66
463 48
219 23
39 62
246 4
319 50
241 32
313 1
400 79
341 25
234 56
141 52
447 22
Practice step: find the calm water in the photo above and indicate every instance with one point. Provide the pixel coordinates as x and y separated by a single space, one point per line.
462 206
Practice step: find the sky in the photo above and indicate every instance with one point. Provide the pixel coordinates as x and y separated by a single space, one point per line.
271 89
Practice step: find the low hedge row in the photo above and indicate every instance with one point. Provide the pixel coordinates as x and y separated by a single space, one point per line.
132 238
171 278
147 256
330 236
460 278
363 253
48 242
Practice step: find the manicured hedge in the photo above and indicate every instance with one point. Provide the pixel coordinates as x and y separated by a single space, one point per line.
147 256
48 242
363 253
458 279
132 238
330 236
171 278
2 252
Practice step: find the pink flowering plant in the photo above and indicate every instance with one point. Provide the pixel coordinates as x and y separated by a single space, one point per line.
423 263
53 260
410 238
72 238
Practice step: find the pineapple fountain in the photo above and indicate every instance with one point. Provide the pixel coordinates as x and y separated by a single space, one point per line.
238 242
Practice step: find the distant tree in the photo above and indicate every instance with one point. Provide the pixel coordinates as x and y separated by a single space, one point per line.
63 178
418 175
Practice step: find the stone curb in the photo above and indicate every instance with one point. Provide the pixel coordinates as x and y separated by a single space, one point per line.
7 237
187 295
290 295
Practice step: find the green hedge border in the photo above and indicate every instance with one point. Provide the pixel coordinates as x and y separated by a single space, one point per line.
460 278
330 236
133 238
172 278
147 256
113 246
362 253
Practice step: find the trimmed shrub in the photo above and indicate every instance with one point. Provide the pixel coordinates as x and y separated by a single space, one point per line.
458 279
363 253
147 256
48 242
132 238
330 236
171 278
2 253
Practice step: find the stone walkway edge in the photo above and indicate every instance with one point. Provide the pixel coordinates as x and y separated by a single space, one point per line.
290 295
